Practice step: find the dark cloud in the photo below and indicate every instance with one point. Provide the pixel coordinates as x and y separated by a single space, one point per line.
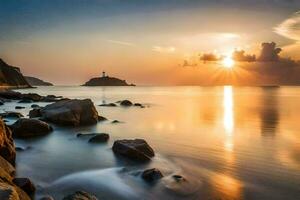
239 55
269 52
209 57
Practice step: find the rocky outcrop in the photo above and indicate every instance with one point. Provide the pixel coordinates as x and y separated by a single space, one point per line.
25 128
7 147
36 112
11 76
106 81
37 82
11 115
80 195
73 112
99 138
137 149
25 184
126 103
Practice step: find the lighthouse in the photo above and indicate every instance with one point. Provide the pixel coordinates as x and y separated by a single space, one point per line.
103 74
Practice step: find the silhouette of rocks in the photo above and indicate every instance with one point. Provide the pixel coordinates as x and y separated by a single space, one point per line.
108 105
24 128
7 147
36 112
137 149
11 115
126 103
101 118
71 112
19 107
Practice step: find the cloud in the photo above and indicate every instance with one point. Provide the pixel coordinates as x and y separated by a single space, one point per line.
121 42
209 57
269 52
239 55
161 49
290 28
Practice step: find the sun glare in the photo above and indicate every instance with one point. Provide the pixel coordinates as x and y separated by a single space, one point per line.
228 62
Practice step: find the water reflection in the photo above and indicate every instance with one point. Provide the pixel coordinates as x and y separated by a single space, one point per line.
228 116
269 115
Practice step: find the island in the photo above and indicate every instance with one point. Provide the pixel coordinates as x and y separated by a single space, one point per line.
37 82
106 81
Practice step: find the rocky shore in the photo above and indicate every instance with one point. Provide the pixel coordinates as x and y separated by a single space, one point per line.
59 112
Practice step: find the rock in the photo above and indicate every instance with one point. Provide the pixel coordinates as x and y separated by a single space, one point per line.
126 103
1 103
99 138
86 134
178 178
71 112
80 195
10 95
19 107
25 101
151 175
101 118
32 97
106 81
11 115
7 146
138 104
137 149
19 149
115 121
108 105
24 128
35 106
37 82
36 112
25 184
47 198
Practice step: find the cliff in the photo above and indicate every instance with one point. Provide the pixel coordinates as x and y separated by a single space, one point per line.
106 81
37 82
11 76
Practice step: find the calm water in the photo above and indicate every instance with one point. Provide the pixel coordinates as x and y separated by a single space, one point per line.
228 142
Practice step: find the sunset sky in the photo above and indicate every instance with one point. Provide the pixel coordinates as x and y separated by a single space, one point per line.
144 42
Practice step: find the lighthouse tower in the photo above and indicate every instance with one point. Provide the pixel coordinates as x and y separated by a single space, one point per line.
103 74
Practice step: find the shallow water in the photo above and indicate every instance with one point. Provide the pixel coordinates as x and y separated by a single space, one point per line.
228 143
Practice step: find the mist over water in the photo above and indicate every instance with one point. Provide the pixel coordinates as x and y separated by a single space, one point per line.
228 143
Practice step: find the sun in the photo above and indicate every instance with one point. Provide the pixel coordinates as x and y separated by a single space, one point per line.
228 62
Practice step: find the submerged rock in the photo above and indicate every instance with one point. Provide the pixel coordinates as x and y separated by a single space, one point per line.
25 101
151 175
35 106
47 198
24 128
80 195
25 184
138 104
19 107
7 147
99 138
11 115
126 103
86 134
32 97
71 112
108 105
115 121
137 149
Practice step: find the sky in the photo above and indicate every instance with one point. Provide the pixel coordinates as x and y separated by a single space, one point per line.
145 42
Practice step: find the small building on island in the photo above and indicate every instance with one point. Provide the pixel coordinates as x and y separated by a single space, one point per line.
105 80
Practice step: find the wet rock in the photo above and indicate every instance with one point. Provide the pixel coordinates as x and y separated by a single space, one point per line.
10 95
178 178
1 103
137 149
19 107
24 128
25 184
25 101
19 149
71 112
101 118
7 147
11 115
151 175
36 112
126 103
138 104
115 121
35 106
99 138
80 195
108 105
32 97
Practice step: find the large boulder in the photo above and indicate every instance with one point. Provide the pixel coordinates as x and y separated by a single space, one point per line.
7 147
32 97
151 175
24 128
80 195
71 112
36 112
137 149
